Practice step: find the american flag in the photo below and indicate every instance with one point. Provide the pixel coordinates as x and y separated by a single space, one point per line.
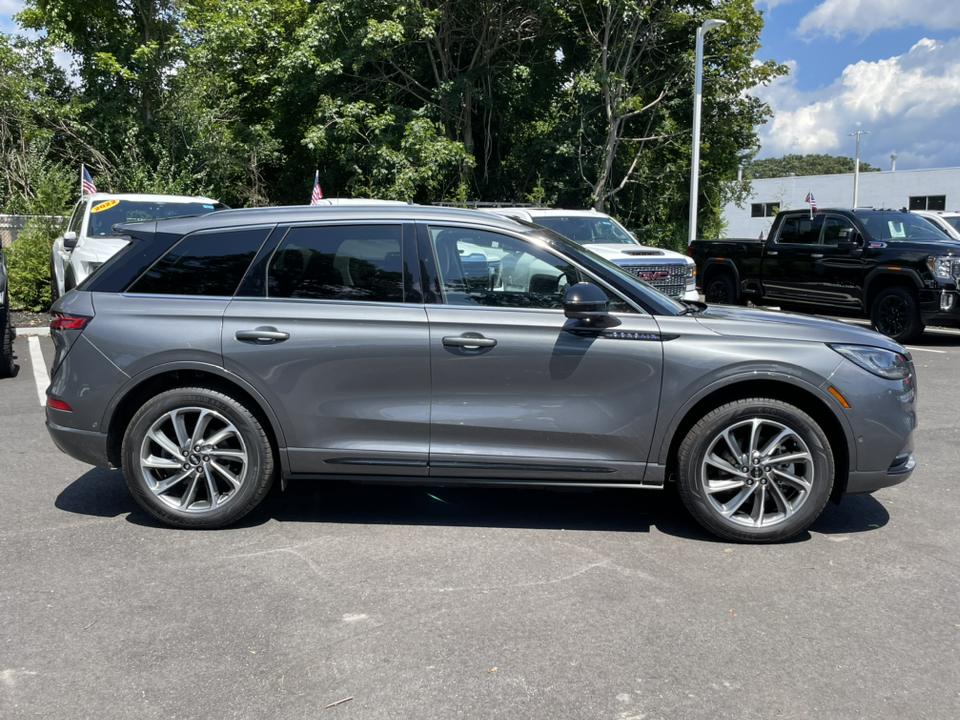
813 203
317 195
86 182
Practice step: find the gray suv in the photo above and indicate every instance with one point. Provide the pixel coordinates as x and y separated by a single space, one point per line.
410 344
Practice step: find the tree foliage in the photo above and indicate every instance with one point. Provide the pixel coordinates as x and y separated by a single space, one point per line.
804 165
578 103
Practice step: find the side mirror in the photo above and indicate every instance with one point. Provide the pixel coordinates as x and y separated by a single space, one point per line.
588 304
69 240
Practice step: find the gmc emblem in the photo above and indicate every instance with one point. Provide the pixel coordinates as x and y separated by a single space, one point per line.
651 275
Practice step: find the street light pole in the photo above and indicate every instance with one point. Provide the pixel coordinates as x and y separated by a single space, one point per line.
856 165
707 26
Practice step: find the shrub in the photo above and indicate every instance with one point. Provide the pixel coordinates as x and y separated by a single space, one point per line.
28 264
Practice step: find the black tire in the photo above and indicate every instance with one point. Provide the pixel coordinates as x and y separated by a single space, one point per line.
69 280
895 312
777 500
202 497
722 290
7 365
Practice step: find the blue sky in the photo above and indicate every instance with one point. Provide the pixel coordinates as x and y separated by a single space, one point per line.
890 67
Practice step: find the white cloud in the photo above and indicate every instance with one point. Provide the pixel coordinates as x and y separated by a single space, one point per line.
9 7
910 104
864 17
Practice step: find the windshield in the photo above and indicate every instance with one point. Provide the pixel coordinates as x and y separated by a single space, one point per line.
586 230
667 303
895 225
954 221
104 215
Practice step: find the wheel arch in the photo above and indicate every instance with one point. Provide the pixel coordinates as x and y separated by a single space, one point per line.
169 377
781 389
714 267
882 278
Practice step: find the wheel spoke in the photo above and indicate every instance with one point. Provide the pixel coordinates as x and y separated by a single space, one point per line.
798 482
780 499
775 443
229 476
716 486
721 464
161 463
160 438
202 422
163 486
211 488
190 495
789 458
229 454
754 433
180 427
759 501
731 507
732 443
221 436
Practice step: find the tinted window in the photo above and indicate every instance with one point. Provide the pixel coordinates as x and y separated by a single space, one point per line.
76 219
801 230
339 262
586 230
210 263
836 230
899 226
104 215
477 267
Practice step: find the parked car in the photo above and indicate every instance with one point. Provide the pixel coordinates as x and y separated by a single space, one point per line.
889 265
212 355
669 272
945 220
7 365
90 239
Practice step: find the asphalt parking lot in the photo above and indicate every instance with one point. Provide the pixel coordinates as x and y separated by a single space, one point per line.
358 601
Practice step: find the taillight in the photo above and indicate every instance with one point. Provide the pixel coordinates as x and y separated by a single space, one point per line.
62 321
689 250
58 405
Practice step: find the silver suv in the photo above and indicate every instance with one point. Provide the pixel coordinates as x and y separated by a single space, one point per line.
212 355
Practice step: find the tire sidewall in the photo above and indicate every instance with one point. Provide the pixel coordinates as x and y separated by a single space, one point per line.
253 485
694 447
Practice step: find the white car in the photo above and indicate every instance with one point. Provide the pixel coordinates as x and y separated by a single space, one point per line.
90 239
948 222
669 272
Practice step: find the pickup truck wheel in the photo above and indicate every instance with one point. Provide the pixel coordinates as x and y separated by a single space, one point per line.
722 290
896 314
755 470
197 458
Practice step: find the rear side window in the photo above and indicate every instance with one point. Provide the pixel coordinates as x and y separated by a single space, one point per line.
208 263
339 262
801 230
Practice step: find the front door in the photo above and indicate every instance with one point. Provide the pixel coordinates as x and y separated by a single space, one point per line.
515 395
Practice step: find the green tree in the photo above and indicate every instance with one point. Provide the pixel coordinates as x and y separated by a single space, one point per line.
804 165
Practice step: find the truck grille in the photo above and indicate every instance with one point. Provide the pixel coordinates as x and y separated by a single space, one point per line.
670 279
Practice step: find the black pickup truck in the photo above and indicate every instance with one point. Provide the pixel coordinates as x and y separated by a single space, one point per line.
890 266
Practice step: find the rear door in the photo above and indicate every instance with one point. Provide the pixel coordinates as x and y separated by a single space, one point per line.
516 396
788 258
835 275
328 329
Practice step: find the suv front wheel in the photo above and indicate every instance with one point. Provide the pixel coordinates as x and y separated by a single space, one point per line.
197 458
755 470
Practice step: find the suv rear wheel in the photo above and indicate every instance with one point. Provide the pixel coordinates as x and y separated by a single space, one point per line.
896 313
197 458
755 470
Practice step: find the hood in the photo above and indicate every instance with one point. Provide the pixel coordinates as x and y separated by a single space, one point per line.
766 324
623 251
104 246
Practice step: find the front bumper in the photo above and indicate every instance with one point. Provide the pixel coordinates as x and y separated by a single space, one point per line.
940 307
83 445
861 482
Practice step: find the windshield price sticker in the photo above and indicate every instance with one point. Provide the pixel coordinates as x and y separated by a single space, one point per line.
104 206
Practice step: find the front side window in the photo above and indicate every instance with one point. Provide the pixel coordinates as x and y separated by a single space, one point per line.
479 267
837 230
76 219
339 262
205 263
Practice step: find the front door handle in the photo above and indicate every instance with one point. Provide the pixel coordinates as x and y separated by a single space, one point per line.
816 255
771 252
262 335
469 340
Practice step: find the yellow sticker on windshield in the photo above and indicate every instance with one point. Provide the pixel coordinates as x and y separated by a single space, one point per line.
104 206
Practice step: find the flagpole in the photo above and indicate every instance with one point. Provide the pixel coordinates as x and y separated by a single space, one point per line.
81 179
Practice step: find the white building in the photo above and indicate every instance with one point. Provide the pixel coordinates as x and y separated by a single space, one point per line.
937 189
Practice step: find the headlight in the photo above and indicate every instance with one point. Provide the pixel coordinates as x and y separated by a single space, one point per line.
883 363
944 268
691 271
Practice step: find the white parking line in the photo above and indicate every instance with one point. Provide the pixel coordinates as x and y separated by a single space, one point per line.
39 369
911 349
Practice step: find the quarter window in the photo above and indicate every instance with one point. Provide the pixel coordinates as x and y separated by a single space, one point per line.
339 262
205 263
836 230
800 230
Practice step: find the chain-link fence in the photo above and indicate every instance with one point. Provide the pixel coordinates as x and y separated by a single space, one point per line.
12 225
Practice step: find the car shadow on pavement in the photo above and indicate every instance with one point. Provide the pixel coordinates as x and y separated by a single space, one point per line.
103 493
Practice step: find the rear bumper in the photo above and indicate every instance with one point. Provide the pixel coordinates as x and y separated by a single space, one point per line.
88 447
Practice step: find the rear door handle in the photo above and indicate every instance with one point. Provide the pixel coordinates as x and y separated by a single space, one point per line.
469 340
816 255
262 335
771 252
